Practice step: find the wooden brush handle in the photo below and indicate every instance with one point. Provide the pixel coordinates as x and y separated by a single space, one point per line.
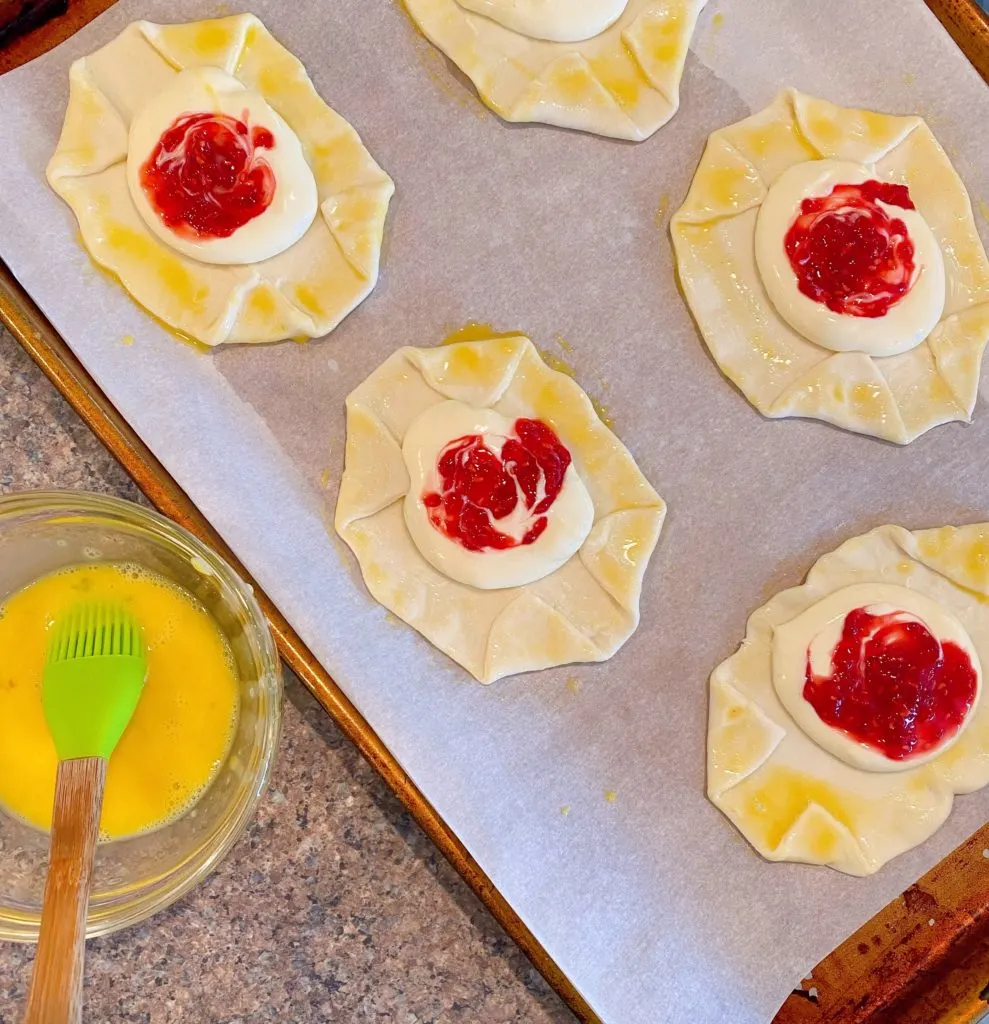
56 985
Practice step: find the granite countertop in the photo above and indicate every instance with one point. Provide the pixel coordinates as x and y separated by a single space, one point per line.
333 907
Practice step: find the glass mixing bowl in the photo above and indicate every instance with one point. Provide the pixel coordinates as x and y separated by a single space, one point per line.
43 531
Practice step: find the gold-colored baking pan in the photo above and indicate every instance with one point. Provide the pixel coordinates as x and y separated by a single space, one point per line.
897 969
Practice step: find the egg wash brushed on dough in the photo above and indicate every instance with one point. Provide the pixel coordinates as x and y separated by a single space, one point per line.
475 330
201 348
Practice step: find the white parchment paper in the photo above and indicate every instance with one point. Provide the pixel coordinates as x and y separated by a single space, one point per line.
650 901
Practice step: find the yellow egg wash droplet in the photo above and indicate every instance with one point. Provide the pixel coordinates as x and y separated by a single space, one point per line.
474 330
662 208
564 344
562 365
555 362
184 723
604 413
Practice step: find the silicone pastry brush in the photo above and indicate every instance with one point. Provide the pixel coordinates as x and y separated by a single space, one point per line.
93 678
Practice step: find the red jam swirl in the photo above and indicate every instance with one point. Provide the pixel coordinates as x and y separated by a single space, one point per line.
849 253
478 488
892 686
205 177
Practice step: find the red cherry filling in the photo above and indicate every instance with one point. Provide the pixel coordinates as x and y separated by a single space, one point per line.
893 686
205 177
479 487
849 253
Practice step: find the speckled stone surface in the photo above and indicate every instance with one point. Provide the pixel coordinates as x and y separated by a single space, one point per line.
333 907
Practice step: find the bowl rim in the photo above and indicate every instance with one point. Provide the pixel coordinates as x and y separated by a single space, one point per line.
115 912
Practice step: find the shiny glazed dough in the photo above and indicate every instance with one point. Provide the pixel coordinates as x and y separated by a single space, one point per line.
586 609
560 21
623 82
792 799
896 397
302 292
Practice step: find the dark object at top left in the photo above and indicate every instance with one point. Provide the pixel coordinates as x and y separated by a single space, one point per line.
20 16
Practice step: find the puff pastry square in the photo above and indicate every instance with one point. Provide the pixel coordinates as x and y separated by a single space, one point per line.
586 609
302 292
792 799
896 398
623 83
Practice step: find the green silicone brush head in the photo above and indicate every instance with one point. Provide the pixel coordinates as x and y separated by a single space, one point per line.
93 679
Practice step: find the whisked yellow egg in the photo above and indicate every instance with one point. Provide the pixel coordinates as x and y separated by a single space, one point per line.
185 721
